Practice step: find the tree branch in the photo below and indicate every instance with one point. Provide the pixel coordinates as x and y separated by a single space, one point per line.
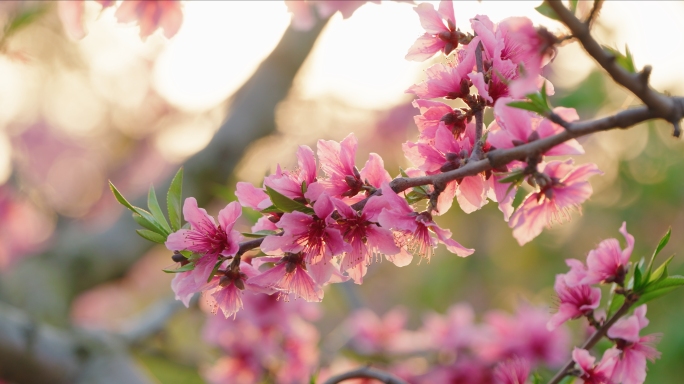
366 373
591 341
663 106
36 353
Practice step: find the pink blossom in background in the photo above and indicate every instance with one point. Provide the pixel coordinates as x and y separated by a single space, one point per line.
512 371
205 237
574 301
440 31
372 335
568 188
608 263
523 334
463 371
151 15
451 332
303 17
591 373
633 350
514 126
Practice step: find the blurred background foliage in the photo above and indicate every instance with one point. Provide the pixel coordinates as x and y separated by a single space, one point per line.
75 114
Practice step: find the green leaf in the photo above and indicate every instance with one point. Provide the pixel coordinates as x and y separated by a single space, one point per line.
637 278
151 236
271 209
286 204
614 303
304 187
119 197
414 197
156 211
173 200
184 268
526 105
626 61
258 234
23 19
547 11
537 378
660 272
215 269
661 244
513 177
403 173
146 220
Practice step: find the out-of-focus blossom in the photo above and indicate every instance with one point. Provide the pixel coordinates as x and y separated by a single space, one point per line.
524 335
608 263
453 332
633 350
151 15
440 31
567 187
303 18
22 227
591 373
371 334
513 371
71 14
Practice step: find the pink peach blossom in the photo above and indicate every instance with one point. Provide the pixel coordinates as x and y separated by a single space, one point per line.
512 371
445 80
514 126
440 31
289 275
414 230
205 237
608 263
575 301
633 350
567 189
591 373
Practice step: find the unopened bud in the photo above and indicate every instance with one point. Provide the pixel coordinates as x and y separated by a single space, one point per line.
178 258
533 136
450 156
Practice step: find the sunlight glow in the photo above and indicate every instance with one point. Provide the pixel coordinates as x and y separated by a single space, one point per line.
217 49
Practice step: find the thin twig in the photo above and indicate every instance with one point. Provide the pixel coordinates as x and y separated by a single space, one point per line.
598 335
593 14
366 373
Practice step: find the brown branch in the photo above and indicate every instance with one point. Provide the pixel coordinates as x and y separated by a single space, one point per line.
366 373
663 106
598 335
593 14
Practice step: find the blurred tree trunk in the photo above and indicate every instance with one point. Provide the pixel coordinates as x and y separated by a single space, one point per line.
44 285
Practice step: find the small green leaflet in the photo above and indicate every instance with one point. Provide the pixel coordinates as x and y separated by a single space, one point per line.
626 61
140 215
661 244
173 200
151 236
258 234
546 10
537 102
185 268
660 288
285 204
156 211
